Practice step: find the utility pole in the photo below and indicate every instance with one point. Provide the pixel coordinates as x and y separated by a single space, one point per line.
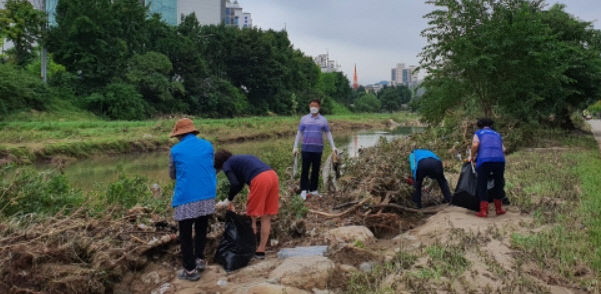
44 51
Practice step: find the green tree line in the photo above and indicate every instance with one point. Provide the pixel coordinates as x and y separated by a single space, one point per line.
114 58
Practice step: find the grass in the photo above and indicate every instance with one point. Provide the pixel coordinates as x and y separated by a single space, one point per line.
25 140
561 189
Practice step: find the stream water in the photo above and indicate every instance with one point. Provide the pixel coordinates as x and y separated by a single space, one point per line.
96 172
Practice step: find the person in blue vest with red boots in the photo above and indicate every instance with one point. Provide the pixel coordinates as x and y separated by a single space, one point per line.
424 163
488 152
191 166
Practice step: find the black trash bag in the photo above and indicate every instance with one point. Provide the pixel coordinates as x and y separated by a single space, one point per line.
238 244
465 192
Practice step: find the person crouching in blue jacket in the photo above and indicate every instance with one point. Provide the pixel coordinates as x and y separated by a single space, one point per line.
424 163
191 166
490 164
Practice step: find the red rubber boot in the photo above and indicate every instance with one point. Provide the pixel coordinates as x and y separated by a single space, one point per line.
499 207
483 209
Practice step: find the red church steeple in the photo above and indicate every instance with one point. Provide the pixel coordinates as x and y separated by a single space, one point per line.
355 80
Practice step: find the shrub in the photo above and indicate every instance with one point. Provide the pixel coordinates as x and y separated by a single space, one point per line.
25 190
127 191
367 103
20 90
119 101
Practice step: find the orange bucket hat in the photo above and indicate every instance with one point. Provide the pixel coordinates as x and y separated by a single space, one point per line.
182 127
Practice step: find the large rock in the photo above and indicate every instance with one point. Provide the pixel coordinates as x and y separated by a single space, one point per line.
304 272
349 234
266 288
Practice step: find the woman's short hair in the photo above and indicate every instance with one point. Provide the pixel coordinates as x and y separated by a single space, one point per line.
485 122
221 156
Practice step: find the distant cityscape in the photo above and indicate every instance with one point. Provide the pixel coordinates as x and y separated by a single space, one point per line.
401 74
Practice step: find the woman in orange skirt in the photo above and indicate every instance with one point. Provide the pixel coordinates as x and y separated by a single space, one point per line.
263 197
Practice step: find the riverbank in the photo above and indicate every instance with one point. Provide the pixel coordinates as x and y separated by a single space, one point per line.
61 139
547 242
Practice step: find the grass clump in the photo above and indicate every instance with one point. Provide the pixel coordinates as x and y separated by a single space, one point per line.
25 190
383 277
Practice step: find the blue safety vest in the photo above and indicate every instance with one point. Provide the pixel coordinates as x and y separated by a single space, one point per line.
491 147
195 176
416 156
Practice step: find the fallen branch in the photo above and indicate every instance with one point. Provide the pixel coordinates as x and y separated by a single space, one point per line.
334 215
431 210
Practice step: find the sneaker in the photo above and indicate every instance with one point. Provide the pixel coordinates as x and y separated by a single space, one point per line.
260 255
188 276
201 264
316 193
304 194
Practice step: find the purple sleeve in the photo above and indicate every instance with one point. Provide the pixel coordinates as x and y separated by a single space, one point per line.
326 126
301 126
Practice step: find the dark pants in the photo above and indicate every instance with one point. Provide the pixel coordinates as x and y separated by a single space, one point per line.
431 168
310 160
491 171
192 251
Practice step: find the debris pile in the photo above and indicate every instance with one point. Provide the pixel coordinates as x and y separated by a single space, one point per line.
77 253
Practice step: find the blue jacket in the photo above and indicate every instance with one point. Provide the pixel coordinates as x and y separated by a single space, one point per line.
491 147
195 176
416 156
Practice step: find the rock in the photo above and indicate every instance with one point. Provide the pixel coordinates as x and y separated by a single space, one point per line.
151 278
302 251
366 267
345 268
304 272
349 234
319 291
190 291
163 289
265 288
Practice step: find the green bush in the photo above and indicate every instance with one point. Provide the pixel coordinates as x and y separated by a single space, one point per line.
367 102
128 191
20 90
25 190
118 101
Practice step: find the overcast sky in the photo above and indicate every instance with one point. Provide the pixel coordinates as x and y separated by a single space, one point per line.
375 34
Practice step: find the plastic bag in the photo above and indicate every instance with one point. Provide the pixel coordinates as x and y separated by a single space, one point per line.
238 244
465 192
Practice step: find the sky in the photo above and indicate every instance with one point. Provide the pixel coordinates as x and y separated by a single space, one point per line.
375 35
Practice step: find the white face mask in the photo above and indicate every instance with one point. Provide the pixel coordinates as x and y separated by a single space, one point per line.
314 110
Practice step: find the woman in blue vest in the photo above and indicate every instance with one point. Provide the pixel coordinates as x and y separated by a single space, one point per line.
424 163
490 164
191 166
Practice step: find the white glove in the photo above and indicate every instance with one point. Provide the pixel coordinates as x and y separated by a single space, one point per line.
295 151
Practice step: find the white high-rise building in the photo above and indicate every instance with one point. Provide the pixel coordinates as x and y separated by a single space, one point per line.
235 16
325 63
404 75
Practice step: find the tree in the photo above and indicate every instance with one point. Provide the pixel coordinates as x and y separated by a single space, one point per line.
367 102
504 58
95 39
21 24
336 86
393 98
151 74
119 101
